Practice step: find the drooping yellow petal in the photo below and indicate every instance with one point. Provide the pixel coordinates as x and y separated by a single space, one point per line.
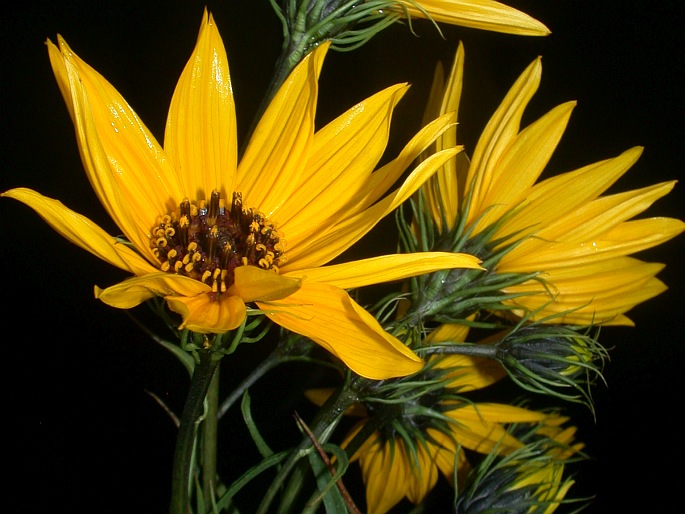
449 456
423 473
271 168
134 291
477 14
385 475
201 134
82 232
385 268
202 315
256 284
470 373
327 315
479 427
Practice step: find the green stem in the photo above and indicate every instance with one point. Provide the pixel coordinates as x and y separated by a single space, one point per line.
185 440
326 417
209 439
460 348
294 49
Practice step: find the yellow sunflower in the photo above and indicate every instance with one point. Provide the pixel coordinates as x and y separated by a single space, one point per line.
476 14
394 468
578 239
391 471
211 235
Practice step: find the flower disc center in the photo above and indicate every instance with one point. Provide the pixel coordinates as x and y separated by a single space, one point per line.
207 242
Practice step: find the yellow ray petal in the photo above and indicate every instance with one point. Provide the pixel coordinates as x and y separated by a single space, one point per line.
386 268
479 427
449 456
484 436
453 332
522 162
272 165
340 237
603 214
561 194
477 14
253 284
444 188
589 221
596 293
300 228
204 316
200 136
136 290
593 283
385 177
127 168
625 239
496 412
61 75
617 266
497 135
604 311
82 232
470 373
423 473
385 475
343 155
327 315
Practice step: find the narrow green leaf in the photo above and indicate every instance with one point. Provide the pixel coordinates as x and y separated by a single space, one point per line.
263 448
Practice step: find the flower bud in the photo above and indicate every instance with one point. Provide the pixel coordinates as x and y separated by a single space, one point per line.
548 358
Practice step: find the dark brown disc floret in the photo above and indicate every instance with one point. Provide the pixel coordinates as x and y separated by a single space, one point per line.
207 242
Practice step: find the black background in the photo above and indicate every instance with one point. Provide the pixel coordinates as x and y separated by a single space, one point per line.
81 434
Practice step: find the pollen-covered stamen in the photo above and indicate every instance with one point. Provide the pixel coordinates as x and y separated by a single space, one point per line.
207 242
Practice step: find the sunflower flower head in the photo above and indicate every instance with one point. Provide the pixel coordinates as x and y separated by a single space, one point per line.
557 249
219 237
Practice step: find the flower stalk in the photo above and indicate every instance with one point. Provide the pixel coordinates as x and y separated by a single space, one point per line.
209 438
200 384
324 422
